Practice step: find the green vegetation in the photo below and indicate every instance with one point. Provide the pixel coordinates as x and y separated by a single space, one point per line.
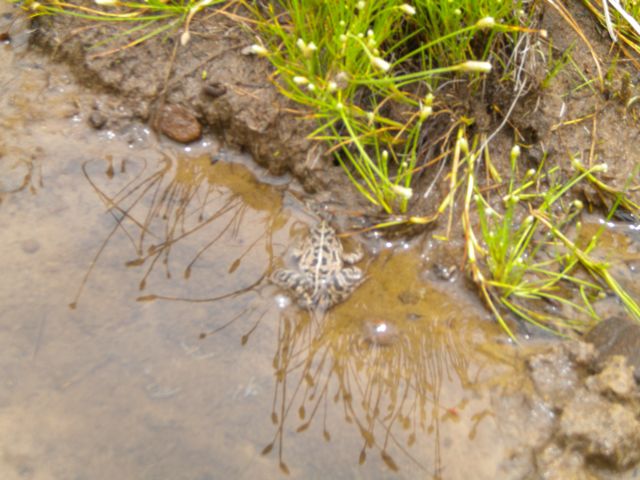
369 71
522 259
516 264
620 19
149 18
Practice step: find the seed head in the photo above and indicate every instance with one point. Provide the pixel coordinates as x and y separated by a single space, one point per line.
404 192
475 66
408 9
486 22
257 50
381 64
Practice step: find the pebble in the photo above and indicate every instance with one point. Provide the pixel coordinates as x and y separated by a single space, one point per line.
179 124
97 120
380 333
30 245
214 89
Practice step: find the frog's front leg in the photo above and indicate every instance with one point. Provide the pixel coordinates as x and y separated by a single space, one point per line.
290 280
353 257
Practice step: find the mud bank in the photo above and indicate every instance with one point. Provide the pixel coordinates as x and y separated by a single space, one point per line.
208 84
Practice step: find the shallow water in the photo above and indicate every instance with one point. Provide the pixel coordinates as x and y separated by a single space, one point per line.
141 339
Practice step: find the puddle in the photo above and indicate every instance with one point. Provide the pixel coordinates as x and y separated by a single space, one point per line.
141 339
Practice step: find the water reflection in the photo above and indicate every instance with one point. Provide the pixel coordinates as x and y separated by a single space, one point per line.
386 390
185 197
338 376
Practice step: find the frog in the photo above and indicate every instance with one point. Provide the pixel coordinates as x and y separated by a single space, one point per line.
321 279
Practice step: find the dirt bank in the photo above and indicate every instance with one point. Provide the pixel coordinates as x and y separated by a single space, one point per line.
210 83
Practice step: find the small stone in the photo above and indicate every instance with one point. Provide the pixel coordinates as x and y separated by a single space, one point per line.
214 89
617 336
179 124
380 333
445 272
30 245
97 120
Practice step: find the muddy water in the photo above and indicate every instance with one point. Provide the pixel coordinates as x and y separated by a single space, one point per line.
141 340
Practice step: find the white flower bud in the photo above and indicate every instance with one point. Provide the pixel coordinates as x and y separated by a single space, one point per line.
381 64
428 99
475 66
486 22
425 112
408 9
515 153
403 192
576 163
185 37
256 50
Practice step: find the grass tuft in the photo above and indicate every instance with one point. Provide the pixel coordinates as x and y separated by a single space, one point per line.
370 72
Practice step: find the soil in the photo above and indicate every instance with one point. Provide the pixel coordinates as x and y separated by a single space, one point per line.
596 406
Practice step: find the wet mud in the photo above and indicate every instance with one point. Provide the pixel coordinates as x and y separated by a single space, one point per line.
143 340
583 411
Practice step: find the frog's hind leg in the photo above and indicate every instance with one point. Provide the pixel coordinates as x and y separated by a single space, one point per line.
296 282
343 283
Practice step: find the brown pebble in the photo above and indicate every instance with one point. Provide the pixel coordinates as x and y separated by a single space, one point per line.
30 245
214 89
179 124
97 120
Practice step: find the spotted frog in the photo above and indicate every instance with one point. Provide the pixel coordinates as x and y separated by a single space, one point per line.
321 279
